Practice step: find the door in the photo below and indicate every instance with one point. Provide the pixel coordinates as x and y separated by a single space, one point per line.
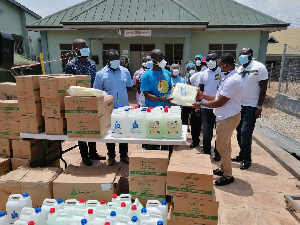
137 52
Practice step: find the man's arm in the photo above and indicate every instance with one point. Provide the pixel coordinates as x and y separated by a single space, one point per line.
98 84
263 84
201 86
93 74
219 102
154 98
68 69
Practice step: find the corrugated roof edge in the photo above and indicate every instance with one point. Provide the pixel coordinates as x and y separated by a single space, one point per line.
249 25
136 23
25 8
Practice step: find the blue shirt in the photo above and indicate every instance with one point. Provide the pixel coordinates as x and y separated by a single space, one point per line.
175 80
114 83
158 83
76 67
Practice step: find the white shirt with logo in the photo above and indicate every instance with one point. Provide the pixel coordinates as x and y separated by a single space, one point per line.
210 79
194 79
230 87
251 75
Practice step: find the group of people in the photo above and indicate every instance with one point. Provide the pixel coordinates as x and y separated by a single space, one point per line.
229 99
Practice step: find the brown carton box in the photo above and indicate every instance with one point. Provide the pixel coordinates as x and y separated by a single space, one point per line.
5 147
5 166
10 129
53 107
91 107
27 149
109 107
30 105
9 110
201 160
149 165
195 210
28 85
190 182
86 182
56 86
32 124
94 128
8 91
84 81
146 190
56 126
16 163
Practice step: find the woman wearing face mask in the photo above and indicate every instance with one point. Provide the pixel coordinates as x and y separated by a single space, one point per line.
190 67
175 75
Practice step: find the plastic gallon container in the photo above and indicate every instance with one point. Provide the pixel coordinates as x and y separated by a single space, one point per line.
71 221
92 204
134 221
100 216
122 209
133 212
89 215
51 220
173 124
119 124
78 214
70 205
127 199
80 204
137 124
4 219
48 204
112 206
122 220
62 216
112 218
154 124
144 215
26 214
27 200
115 198
14 207
102 205
59 204
39 217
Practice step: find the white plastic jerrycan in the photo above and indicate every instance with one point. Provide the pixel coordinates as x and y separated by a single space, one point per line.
156 215
91 204
62 216
119 124
134 221
154 124
122 209
27 200
122 220
101 206
112 206
80 204
71 221
78 214
137 124
89 215
127 199
3 218
59 204
115 198
139 205
133 212
70 205
26 214
39 217
172 124
144 215
15 204
48 204
52 216
100 216
112 218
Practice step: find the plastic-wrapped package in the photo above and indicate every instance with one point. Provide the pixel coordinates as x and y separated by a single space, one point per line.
184 94
85 92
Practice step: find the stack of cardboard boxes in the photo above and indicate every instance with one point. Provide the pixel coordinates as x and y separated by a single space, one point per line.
148 175
190 183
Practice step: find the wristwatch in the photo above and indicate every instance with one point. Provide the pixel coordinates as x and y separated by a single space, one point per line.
259 107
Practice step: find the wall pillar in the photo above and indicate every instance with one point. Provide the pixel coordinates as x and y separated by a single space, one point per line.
263 46
45 51
186 50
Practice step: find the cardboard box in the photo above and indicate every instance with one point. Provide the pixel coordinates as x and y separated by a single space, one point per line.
32 124
53 107
27 149
190 182
84 81
30 105
146 190
56 86
56 126
199 160
9 110
109 107
149 165
10 129
5 166
8 91
195 210
5 147
28 85
94 128
78 107
86 182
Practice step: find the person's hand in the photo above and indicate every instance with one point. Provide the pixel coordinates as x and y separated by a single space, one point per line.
168 100
258 113
199 95
198 112
196 105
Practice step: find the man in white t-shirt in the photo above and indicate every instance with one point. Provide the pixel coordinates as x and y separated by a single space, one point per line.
255 79
208 83
227 107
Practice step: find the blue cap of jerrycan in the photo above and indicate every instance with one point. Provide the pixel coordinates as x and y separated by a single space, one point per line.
2 214
59 201
144 210
134 219
164 202
25 195
113 213
83 221
38 210
160 222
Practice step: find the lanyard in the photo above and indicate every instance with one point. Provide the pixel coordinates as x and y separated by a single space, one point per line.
158 77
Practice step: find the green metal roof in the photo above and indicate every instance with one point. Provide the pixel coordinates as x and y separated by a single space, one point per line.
215 13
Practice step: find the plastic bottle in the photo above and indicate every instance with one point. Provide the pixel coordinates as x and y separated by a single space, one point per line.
138 205
127 199
62 216
152 204
26 214
144 215
112 206
122 220
156 215
172 124
164 209
122 209
14 207
102 205
154 125
39 217
134 221
59 204
48 204
112 218
80 204
52 217
176 108
133 212
91 204
70 205
115 198
89 215
137 124
119 124
78 214
3 218
27 200
100 216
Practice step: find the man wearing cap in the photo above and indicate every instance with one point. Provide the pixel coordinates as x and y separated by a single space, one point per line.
255 79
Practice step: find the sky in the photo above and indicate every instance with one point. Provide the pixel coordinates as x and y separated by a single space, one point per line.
286 10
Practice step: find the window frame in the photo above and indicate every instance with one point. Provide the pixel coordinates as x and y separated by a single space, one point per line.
222 51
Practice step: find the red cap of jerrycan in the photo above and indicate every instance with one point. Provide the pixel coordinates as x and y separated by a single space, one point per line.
90 211
52 210
148 110
123 204
166 110
107 223
114 196
81 200
133 207
31 223
102 202
150 107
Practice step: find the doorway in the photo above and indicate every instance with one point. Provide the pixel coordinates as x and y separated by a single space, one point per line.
137 52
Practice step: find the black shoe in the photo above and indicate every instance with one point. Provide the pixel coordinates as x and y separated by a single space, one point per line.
224 181
217 156
194 145
206 152
86 161
97 157
245 165
218 172
237 159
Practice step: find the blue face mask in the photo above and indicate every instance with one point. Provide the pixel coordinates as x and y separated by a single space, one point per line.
115 64
219 71
149 64
244 59
85 52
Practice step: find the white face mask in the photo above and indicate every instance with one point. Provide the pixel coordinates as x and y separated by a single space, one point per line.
212 64
198 63
175 72
192 72
162 63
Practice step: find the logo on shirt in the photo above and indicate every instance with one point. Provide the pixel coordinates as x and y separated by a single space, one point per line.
218 76
163 86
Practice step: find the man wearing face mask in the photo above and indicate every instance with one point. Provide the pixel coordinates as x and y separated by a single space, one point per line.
227 108
208 83
114 80
198 64
255 79
175 72
82 65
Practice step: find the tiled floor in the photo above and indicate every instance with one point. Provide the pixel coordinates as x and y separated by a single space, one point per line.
256 196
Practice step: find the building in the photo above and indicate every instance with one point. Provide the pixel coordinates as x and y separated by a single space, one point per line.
181 28
14 17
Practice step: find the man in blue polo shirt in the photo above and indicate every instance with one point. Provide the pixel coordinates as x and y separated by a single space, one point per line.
115 79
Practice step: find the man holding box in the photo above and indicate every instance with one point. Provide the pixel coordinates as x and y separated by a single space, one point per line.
82 65
115 79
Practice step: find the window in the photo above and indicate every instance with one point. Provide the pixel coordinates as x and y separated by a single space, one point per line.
174 53
223 48
107 47
19 44
141 47
66 52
